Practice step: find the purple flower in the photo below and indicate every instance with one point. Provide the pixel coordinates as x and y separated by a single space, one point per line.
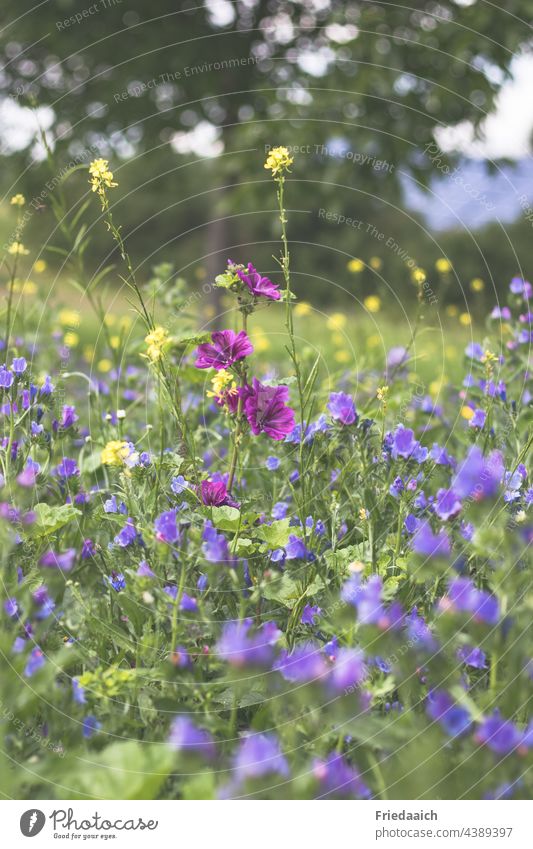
258 755
19 365
453 718
338 779
428 544
419 632
87 549
267 411
349 669
500 735
310 615
342 408
90 726
127 536
279 510
396 357
304 664
35 662
117 581
479 477
478 419
179 484
215 546
227 347
473 657
272 463
464 597
258 285
404 443
295 549
54 560
166 528
6 378
397 487
11 606
241 648
68 417
447 505
215 494
186 737
518 286
78 692
67 469
144 570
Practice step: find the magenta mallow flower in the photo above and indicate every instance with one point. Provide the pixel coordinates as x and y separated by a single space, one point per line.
337 778
464 597
215 494
267 411
258 285
187 738
342 408
240 646
225 348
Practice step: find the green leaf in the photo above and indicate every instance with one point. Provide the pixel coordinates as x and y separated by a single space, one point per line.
226 518
277 534
50 519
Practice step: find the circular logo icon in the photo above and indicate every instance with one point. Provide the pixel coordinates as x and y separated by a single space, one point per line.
32 822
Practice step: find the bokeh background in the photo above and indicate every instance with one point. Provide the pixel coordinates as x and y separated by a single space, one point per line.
410 126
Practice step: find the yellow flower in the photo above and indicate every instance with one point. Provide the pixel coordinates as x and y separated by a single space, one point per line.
115 453
435 387
373 341
418 275
260 341
278 160
110 319
71 339
336 321
26 287
338 339
302 308
17 248
101 177
342 356
68 317
451 310
155 340
375 263
39 266
104 365
363 514
467 413
443 265
372 303
356 265
114 342
477 284
18 200
382 393
465 319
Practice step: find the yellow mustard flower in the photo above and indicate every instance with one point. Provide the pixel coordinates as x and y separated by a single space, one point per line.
356 265
101 177
373 341
372 303
418 275
155 341
39 266
302 308
69 318
115 453
278 161
104 365
452 310
114 342
342 356
467 413
336 321
477 284
18 200
71 339
376 263
26 287
443 265
465 319
382 393
17 249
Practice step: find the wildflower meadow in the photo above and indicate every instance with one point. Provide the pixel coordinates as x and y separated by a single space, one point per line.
235 570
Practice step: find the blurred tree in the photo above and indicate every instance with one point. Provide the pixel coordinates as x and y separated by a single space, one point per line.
189 97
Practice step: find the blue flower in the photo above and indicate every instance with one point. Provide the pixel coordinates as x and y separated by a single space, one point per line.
90 726
166 528
272 463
